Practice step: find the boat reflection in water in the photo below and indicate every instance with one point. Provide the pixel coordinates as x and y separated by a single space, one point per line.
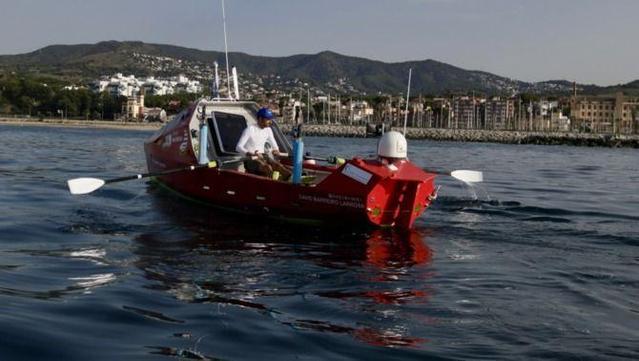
310 279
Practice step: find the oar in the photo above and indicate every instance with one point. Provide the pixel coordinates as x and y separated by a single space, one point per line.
88 185
331 160
466 176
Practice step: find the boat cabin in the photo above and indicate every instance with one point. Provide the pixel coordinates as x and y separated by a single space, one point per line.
226 121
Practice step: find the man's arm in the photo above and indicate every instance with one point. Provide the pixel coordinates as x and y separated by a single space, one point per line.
241 144
272 141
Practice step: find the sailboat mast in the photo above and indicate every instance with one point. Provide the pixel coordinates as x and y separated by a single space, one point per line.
410 73
216 82
226 51
308 108
329 108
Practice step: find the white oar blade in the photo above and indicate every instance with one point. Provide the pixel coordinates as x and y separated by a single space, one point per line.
84 185
468 176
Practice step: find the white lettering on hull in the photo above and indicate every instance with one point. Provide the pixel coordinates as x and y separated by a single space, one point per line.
357 174
334 200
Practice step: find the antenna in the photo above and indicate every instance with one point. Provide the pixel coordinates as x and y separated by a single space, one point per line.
236 84
308 108
226 51
216 82
329 108
410 73
339 109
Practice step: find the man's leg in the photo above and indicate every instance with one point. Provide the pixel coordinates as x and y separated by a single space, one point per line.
276 165
257 166
265 168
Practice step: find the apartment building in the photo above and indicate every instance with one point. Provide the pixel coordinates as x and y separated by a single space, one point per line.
120 85
498 113
359 110
466 113
605 114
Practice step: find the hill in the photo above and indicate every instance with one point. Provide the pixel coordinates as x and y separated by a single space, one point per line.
327 69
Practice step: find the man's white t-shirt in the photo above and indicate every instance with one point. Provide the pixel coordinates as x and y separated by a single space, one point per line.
254 138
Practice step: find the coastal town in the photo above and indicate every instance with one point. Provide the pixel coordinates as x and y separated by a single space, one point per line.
338 107
296 101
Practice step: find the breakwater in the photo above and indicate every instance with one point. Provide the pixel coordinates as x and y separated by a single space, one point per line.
352 131
463 135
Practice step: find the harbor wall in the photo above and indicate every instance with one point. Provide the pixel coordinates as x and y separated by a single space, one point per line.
350 131
484 136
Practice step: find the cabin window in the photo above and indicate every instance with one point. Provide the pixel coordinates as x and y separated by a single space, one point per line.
281 140
227 129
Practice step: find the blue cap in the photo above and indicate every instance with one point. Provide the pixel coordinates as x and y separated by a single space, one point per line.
265 113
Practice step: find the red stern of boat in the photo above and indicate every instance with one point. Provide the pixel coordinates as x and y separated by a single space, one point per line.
400 193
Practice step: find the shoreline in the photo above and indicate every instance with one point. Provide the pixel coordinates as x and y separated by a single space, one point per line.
349 131
73 123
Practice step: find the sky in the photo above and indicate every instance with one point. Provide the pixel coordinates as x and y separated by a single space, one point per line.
588 41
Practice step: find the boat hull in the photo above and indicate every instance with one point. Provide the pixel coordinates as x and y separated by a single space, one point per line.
359 192
339 200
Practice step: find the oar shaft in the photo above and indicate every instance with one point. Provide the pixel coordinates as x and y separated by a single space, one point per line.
439 172
156 174
332 160
211 164
88 185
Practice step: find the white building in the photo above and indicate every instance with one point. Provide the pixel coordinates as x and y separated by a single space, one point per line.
154 86
120 85
99 86
547 107
360 110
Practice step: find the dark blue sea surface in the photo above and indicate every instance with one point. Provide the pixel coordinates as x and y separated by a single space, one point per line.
540 262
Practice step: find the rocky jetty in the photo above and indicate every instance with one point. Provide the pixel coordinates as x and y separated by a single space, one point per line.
352 131
462 135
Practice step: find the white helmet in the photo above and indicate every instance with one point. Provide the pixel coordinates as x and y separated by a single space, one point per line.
392 145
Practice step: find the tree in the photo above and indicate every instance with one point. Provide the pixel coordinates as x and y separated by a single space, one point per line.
26 104
163 101
66 104
3 104
110 106
529 97
85 102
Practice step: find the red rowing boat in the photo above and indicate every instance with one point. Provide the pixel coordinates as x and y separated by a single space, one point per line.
385 191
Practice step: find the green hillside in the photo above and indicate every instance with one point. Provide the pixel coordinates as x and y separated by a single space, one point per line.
87 61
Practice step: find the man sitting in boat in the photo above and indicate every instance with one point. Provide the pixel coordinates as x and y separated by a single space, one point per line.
252 143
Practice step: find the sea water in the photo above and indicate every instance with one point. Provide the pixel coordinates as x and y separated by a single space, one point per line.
539 262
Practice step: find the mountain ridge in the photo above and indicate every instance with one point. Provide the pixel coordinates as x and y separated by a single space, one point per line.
89 61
